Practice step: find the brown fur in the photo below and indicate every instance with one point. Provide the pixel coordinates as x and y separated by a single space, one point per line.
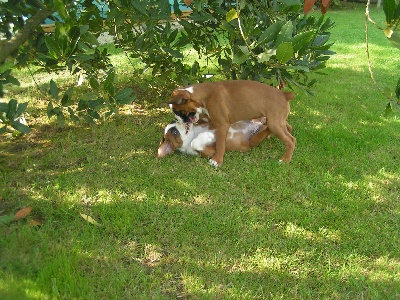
230 101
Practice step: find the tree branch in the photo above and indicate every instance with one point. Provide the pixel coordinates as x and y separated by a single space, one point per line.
8 47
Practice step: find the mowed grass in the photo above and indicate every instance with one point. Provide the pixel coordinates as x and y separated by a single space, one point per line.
326 226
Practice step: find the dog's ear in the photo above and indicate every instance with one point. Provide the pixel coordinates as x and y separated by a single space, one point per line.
165 148
179 97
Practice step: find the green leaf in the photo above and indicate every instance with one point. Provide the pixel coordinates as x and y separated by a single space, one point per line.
72 115
60 119
140 8
88 119
90 96
174 53
6 66
270 33
47 59
3 107
231 15
108 83
53 46
50 110
301 40
244 50
94 83
12 80
239 58
396 14
65 101
60 8
177 10
12 109
20 127
127 100
53 89
284 52
94 114
82 105
285 34
3 129
122 94
20 110
95 104
89 38
389 7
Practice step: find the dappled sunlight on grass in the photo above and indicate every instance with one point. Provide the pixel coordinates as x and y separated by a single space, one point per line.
382 183
323 234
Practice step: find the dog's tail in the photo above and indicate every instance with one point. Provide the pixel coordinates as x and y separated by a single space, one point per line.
289 96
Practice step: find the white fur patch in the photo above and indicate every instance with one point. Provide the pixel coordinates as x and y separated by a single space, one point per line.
202 110
202 140
189 89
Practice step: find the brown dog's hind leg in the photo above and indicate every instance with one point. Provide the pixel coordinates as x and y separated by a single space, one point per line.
289 127
281 131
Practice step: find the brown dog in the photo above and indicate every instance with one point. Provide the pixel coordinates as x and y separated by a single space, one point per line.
227 102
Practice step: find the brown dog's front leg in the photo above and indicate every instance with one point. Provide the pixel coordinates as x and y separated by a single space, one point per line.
220 135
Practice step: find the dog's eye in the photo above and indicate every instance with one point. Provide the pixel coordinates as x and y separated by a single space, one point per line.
174 131
183 101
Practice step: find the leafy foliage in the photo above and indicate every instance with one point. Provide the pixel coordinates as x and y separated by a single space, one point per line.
391 30
10 115
268 41
259 41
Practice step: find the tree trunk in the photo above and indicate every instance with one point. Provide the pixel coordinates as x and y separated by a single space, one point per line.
8 47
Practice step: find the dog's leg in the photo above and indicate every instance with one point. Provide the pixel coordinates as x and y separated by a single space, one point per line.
281 131
261 135
221 132
289 127
208 151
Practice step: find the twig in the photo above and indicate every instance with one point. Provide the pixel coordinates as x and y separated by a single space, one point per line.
241 30
34 80
368 19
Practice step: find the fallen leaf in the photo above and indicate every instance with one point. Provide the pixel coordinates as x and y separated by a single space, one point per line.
90 219
35 222
23 213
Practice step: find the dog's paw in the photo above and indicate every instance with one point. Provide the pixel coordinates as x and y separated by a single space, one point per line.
213 163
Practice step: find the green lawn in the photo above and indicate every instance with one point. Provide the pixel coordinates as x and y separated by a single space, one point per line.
326 226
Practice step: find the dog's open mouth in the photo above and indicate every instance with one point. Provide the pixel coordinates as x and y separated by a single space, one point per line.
193 118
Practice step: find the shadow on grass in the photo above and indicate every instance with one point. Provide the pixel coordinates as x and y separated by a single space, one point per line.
178 228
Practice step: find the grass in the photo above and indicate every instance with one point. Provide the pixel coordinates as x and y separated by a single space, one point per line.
325 226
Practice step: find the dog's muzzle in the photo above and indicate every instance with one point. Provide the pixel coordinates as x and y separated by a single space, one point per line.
185 117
